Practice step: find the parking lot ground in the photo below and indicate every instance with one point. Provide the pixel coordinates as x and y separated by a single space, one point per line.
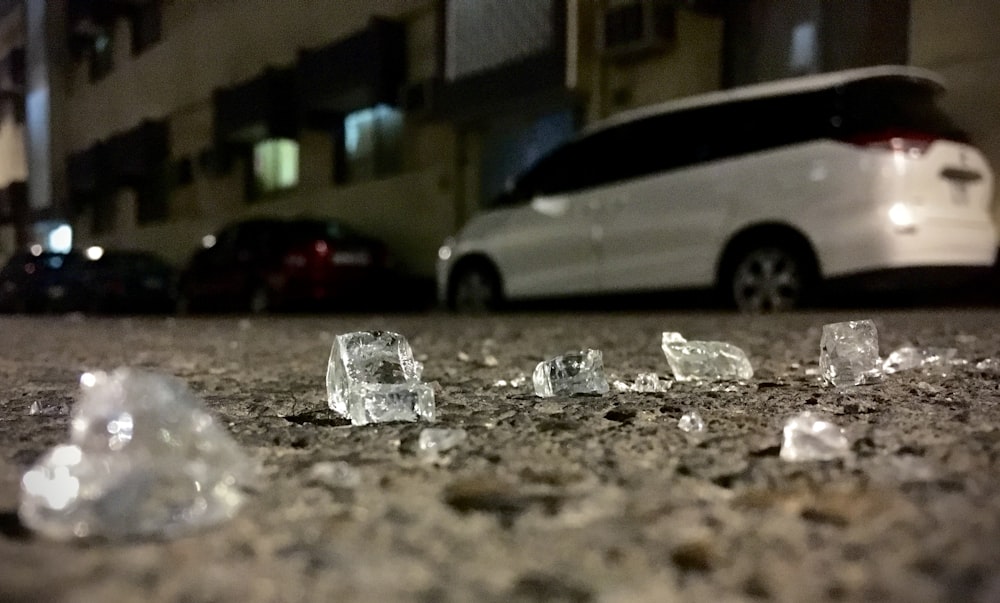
581 499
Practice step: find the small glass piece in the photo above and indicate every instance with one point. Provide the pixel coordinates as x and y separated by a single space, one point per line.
938 360
705 360
809 437
573 373
691 422
849 353
335 474
49 409
647 383
433 441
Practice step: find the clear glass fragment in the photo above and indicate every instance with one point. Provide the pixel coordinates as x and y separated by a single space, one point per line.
691 422
938 360
573 373
434 441
849 353
988 365
649 383
372 377
144 459
335 474
809 437
705 360
378 403
48 409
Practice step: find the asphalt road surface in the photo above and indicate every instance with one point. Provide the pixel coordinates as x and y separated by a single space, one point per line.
576 499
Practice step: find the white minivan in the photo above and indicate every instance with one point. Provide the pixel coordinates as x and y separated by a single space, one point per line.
763 191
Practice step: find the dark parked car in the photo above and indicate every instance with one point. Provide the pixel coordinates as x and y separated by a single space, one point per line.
258 265
129 281
45 282
118 281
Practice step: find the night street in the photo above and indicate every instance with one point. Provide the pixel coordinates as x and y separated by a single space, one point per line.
577 499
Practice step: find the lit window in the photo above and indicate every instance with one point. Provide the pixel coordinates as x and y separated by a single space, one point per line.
372 142
802 57
276 164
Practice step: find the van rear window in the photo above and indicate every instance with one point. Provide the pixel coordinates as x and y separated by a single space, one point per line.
881 105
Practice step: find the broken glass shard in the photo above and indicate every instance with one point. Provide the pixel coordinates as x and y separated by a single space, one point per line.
939 360
49 409
335 474
372 377
574 373
809 437
988 365
647 383
381 403
144 459
705 360
691 422
434 441
849 353
620 386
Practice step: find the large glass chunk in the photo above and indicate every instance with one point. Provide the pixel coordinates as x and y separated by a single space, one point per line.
372 377
705 360
849 353
809 437
574 373
144 459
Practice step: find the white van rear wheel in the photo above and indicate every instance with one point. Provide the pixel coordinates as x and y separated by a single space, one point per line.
769 278
475 289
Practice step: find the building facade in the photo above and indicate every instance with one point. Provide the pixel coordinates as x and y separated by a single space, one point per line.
171 118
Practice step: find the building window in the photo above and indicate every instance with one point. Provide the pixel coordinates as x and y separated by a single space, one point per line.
488 33
802 54
101 51
276 165
372 143
145 21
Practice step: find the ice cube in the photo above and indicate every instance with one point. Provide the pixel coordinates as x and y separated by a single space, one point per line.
144 459
573 373
373 377
705 360
809 437
849 353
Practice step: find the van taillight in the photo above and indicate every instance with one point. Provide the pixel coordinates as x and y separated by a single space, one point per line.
911 142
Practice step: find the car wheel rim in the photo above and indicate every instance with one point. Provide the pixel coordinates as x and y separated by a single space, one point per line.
767 280
474 293
260 301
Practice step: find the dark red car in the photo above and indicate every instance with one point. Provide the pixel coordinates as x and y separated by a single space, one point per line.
264 264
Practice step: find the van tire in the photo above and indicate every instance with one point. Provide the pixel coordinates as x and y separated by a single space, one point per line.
474 288
762 277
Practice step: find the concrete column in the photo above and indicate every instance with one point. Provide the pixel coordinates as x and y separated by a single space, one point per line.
45 50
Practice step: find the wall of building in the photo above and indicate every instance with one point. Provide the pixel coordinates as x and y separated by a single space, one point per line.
211 44
688 65
958 39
